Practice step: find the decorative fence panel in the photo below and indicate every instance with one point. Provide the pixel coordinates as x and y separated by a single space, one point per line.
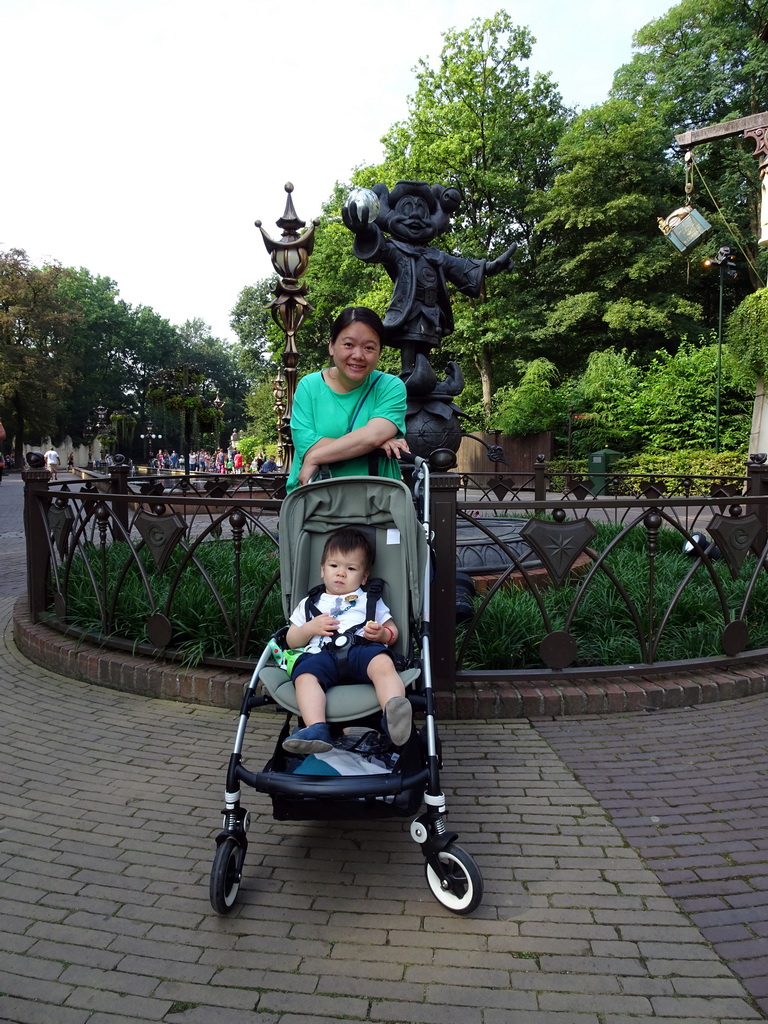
551 583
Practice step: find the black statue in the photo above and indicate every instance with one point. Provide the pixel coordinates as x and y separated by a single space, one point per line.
419 316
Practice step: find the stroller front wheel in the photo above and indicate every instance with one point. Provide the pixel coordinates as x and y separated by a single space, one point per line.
225 875
461 888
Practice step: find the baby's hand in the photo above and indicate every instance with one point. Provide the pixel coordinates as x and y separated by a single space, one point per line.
374 631
324 625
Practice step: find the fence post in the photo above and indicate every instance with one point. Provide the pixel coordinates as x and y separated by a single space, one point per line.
757 484
540 478
118 484
443 491
36 539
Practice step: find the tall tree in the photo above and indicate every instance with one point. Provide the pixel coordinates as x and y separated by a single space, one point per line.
705 62
702 63
153 344
36 323
223 372
252 322
480 122
616 280
99 341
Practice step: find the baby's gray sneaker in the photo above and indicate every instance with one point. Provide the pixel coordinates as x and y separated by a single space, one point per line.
398 720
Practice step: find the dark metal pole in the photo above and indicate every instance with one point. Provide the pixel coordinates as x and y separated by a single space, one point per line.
719 358
35 533
443 491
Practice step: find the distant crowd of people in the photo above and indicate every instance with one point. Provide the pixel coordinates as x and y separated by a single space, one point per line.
220 461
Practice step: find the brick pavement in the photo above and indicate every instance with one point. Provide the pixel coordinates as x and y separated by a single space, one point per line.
689 791
109 803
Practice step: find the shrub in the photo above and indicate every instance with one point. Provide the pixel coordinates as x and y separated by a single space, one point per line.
201 626
511 627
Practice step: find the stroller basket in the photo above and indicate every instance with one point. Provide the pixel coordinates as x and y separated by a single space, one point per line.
298 797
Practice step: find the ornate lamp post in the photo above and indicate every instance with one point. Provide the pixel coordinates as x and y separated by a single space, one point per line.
279 391
290 256
148 436
88 434
727 267
218 405
101 421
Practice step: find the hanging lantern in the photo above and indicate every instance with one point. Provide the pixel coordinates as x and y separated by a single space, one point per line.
685 227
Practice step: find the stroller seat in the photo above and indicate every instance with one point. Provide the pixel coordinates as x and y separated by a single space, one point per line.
383 510
343 703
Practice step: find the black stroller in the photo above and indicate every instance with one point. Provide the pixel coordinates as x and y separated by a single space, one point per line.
405 779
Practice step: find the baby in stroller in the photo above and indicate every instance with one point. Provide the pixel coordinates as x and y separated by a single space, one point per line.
342 643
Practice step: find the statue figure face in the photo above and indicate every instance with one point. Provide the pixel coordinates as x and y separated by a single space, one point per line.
411 220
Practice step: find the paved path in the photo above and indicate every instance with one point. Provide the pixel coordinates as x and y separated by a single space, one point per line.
622 861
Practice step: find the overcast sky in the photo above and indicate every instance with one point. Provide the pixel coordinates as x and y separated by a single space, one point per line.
142 138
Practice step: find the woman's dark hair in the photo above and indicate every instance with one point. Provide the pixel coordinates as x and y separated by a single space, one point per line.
358 314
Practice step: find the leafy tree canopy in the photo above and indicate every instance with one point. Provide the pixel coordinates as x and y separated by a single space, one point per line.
702 63
482 123
37 364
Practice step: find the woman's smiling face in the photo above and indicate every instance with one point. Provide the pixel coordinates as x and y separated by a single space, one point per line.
355 353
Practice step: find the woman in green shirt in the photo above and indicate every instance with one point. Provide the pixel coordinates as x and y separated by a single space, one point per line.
346 410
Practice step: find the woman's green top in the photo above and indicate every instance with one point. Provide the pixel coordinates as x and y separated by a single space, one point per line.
319 411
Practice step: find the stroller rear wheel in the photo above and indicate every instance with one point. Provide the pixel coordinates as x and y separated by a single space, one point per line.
225 875
462 888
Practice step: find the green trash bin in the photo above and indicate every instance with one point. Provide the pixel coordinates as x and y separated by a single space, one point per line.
599 467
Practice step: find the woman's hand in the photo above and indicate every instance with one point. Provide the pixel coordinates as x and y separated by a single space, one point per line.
308 470
394 446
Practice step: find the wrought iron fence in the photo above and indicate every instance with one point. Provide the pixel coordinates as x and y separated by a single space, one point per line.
185 567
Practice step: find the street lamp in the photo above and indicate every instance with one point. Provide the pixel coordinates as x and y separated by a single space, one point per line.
725 262
218 406
88 434
686 227
289 308
101 425
148 436
279 392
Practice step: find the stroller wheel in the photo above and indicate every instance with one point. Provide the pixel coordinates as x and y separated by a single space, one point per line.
462 889
226 874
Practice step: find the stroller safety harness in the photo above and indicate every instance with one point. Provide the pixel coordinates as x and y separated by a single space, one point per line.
339 645
411 786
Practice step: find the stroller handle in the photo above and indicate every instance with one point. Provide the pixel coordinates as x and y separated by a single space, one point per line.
440 460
